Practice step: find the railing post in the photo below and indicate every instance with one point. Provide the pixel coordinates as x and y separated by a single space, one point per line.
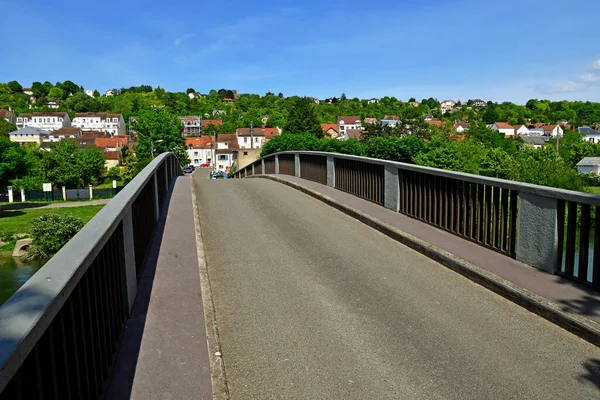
276 164
64 193
23 195
11 199
252 169
537 231
297 165
262 166
391 187
129 253
246 172
330 171
156 206
91 192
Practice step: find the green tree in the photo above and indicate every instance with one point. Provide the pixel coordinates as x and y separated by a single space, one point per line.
302 118
129 168
69 87
6 128
12 164
50 232
96 93
38 89
161 130
90 164
114 174
190 90
56 93
15 87
66 165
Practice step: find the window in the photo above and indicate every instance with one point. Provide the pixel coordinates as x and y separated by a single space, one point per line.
222 157
190 147
195 153
245 140
245 153
255 140
115 120
196 161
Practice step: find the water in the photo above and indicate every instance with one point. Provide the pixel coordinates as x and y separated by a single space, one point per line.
14 273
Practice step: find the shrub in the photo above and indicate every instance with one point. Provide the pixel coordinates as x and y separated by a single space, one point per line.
114 174
50 232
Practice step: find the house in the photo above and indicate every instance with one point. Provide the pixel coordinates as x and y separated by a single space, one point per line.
552 130
192 126
8 115
89 92
590 135
373 101
435 122
536 142
113 124
414 103
200 150
388 122
227 100
53 104
447 105
589 165
354 133
109 93
395 117
28 135
370 120
503 128
344 123
207 122
250 138
227 141
521 130
478 103
428 117
460 127
48 121
535 132
218 112
270 133
225 158
114 158
330 130
63 133
28 91
112 143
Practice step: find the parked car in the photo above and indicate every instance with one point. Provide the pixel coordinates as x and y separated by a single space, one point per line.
188 170
205 165
219 175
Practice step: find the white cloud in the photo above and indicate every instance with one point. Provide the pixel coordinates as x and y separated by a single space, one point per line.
563 87
595 65
180 40
589 78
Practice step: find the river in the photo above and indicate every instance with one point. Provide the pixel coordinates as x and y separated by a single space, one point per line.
14 273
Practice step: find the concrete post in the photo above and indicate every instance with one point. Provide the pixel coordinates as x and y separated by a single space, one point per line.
330 171
391 186
11 198
156 204
64 193
537 232
245 172
297 165
129 250
276 164
262 167
253 172
91 192
23 195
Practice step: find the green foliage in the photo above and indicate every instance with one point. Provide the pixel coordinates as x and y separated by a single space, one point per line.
66 165
50 232
394 148
302 118
160 130
129 169
15 87
56 93
6 128
114 174
12 163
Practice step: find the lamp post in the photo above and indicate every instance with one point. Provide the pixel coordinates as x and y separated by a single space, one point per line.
152 146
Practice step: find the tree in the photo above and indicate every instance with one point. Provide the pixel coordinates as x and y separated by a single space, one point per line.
96 93
90 163
114 174
343 97
280 95
15 87
50 232
38 89
56 93
222 93
12 164
69 87
161 130
190 90
229 94
412 100
66 165
6 128
302 118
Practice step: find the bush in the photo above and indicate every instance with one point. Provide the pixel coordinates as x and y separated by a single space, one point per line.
114 174
50 232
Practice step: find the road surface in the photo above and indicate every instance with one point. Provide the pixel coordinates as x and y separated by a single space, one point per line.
312 304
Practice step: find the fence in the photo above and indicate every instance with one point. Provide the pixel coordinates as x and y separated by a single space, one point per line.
71 194
552 229
60 332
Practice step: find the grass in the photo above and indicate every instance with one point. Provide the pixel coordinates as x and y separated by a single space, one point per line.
593 189
17 221
108 185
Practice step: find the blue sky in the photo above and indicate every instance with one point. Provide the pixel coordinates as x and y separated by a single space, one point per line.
508 50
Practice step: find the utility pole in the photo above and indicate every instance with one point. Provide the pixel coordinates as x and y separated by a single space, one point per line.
557 140
251 136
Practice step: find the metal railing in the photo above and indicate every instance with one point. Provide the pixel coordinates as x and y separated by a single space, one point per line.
555 230
60 332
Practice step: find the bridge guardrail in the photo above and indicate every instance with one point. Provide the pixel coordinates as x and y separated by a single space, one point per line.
552 229
60 332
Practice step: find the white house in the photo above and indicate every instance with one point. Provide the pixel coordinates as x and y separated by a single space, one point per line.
27 135
447 105
63 133
109 93
521 130
589 165
460 127
552 130
225 158
49 121
478 103
113 124
345 123
28 91
200 150
89 92
388 122
590 134
53 104
248 139
504 128
536 132
8 115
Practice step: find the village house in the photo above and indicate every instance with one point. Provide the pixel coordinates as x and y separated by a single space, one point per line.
460 127
345 123
447 106
201 150
28 135
8 115
330 130
589 165
503 128
478 103
552 130
48 121
521 130
113 124
590 135
63 133
370 120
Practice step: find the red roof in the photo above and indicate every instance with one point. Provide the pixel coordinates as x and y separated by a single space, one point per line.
111 142
112 155
548 128
226 137
4 113
327 127
349 119
200 142
270 133
207 122
503 125
436 122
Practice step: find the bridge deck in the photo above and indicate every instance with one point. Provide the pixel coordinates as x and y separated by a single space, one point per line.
311 303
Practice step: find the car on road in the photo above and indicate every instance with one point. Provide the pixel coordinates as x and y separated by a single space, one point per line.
204 165
188 170
219 175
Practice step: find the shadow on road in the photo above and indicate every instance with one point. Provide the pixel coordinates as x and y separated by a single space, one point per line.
592 375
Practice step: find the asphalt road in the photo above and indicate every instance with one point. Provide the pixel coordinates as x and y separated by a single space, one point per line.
312 304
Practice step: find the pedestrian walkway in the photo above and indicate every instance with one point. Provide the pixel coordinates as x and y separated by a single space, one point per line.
66 204
164 351
571 296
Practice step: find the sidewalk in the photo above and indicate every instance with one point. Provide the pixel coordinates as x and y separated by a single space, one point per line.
569 295
41 204
164 350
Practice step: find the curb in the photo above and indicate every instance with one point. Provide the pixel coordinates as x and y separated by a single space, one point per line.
585 328
218 378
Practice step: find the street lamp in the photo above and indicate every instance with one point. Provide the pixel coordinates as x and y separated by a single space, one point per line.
152 146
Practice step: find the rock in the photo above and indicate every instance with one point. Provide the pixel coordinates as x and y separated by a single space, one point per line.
21 246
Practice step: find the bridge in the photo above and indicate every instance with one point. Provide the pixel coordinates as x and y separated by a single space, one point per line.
323 276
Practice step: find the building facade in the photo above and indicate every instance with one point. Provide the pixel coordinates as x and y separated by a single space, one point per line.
8 115
346 123
113 124
28 135
48 121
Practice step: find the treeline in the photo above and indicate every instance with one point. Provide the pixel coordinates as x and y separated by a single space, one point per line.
481 151
275 108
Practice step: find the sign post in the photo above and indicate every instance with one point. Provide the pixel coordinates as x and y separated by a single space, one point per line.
47 187
114 188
